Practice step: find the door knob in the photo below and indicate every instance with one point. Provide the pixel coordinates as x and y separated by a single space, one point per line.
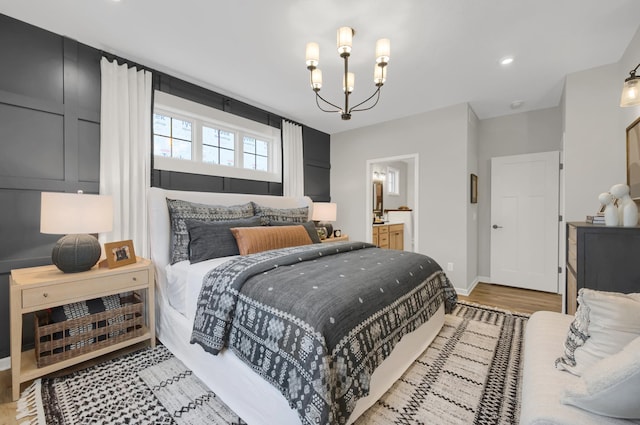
495 226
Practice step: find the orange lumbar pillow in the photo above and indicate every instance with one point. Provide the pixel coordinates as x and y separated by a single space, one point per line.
263 238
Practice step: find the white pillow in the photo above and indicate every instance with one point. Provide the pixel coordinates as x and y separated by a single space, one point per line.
605 322
610 387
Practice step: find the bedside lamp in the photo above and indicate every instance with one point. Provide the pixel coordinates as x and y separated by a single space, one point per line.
75 215
323 213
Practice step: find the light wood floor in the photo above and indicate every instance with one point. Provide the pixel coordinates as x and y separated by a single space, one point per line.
514 299
520 300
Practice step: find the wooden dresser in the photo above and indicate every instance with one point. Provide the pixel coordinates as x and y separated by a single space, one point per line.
389 236
602 258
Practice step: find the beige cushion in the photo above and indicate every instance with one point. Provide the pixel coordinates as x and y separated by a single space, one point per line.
542 384
604 323
257 239
611 386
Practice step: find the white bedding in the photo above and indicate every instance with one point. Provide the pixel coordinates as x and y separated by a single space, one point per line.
251 397
184 281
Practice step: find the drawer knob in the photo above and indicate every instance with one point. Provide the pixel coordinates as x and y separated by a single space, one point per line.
45 295
135 278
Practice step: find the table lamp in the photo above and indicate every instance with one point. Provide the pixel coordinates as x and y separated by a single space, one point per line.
323 213
75 215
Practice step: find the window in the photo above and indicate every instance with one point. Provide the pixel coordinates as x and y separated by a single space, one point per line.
193 138
256 154
218 146
393 181
171 137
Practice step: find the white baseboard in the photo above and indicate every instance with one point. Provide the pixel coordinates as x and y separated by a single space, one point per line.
466 291
5 363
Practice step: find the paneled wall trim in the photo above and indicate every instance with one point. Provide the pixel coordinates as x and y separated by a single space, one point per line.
50 121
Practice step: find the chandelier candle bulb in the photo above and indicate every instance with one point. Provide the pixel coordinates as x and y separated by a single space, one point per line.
345 40
351 81
316 79
379 75
383 51
313 54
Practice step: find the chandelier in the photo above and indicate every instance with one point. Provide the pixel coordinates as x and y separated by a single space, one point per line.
345 37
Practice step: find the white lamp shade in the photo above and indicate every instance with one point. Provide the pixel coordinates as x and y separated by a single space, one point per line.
324 211
383 50
631 92
313 54
75 213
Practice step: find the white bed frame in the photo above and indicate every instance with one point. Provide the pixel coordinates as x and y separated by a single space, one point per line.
255 400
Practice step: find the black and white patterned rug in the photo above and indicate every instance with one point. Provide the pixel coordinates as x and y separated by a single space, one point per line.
470 374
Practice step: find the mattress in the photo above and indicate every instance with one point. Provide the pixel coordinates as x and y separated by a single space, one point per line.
255 400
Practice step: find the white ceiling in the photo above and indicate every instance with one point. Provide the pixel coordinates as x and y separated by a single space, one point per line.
443 52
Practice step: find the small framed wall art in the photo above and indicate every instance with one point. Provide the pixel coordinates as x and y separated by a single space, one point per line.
119 253
474 189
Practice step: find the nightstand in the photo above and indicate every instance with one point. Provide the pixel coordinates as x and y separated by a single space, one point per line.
39 288
335 239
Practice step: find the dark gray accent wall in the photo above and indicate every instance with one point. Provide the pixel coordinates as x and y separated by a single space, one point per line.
317 164
50 141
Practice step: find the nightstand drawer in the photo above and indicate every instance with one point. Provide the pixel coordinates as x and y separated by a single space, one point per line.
82 289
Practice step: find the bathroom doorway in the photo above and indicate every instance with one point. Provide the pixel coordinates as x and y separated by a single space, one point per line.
396 180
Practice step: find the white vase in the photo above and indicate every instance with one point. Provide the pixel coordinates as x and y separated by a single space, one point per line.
629 212
611 216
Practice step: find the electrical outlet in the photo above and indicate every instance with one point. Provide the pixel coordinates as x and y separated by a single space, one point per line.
449 267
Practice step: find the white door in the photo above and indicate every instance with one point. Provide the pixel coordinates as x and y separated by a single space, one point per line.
524 220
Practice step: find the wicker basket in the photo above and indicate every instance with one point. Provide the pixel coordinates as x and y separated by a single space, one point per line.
59 341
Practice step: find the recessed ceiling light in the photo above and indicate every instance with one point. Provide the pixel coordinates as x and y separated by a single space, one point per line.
516 104
507 60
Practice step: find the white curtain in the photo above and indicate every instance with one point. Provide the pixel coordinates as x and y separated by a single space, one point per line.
125 151
293 178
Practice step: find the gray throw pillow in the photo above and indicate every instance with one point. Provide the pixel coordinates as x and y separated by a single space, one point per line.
213 239
290 215
308 226
180 211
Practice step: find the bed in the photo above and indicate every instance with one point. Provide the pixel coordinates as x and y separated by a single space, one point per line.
181 290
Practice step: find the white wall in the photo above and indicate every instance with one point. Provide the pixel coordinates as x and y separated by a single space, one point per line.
472 210
595 144
440 139
517 134
594 157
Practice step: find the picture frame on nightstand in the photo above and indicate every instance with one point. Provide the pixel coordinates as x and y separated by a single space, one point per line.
119 253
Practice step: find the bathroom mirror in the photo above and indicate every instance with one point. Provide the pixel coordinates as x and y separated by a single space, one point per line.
377 198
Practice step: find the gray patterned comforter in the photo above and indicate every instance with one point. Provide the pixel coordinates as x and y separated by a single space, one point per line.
315 321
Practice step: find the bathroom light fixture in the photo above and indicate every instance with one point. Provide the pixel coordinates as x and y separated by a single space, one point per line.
345 38
631 89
